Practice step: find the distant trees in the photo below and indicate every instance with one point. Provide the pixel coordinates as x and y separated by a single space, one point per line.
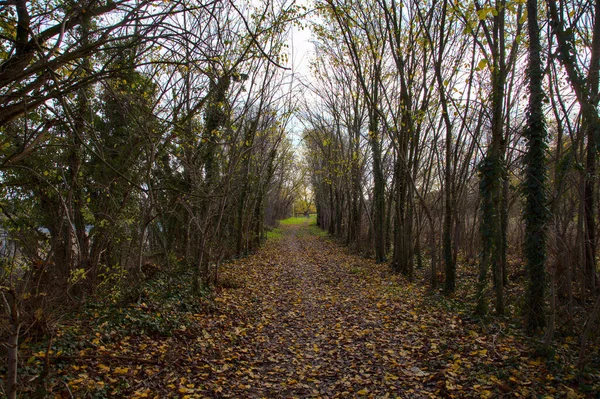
336 148
437 92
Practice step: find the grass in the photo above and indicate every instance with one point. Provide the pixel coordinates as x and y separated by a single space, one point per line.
314 229
310 221
277 233
317 231
297 220
274 234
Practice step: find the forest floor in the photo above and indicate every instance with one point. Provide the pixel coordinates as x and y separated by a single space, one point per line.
300 318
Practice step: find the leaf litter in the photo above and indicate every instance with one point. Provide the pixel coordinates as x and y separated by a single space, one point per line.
301 318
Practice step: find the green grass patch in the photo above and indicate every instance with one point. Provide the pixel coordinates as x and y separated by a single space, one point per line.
295 221
310 222
274 234
317 231
314 229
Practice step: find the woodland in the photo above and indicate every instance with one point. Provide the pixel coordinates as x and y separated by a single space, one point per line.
439 159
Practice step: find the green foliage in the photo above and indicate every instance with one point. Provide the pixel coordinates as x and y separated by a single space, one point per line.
114 283
157 307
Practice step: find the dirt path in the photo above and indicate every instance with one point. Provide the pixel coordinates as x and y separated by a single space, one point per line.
320 323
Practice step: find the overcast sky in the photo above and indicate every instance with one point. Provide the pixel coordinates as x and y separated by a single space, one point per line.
301 50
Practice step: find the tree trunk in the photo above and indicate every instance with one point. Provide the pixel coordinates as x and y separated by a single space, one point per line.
379 188
492 175
535 212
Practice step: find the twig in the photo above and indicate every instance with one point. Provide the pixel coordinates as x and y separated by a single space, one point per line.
68 389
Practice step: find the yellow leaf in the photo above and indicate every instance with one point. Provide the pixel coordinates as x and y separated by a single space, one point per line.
104 368
571 394
121 370
363 392
482 14
523 17
141 394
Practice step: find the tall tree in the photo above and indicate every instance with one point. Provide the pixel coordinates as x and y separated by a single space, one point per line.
535 211
492 17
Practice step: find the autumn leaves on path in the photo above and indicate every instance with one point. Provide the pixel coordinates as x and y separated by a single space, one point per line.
320 327
301 318
318 322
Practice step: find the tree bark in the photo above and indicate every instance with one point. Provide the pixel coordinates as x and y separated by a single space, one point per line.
379 187
535 212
